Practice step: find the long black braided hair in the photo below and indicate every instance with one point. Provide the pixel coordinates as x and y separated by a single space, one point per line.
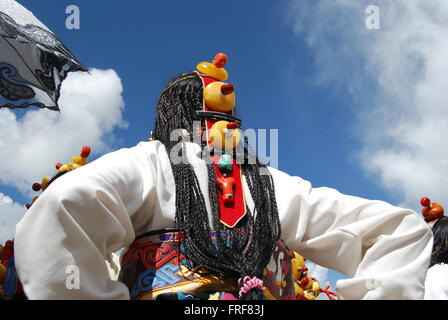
241 251
440 247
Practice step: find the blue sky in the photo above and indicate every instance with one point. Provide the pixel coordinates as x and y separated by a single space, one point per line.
307 68
147 44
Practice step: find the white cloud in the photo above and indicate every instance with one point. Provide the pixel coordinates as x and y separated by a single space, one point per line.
397 76
5 199
10 215
318 272
91 107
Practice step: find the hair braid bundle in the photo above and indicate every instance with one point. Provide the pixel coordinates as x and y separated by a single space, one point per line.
241 251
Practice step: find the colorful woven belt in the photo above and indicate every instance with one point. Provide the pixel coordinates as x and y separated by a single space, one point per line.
155 268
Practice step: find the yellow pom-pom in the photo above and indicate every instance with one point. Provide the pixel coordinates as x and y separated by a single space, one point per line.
64 168
223 138
76 166
79 160
216 100
211 70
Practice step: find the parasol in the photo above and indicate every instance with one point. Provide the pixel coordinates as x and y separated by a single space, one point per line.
33 61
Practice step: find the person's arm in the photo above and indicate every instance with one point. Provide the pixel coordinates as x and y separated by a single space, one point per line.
62 242
386 249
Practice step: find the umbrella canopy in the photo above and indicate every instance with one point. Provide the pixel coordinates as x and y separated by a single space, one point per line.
33 61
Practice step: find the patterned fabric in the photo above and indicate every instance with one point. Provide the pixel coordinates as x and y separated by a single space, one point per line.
33 63
11 287
155 267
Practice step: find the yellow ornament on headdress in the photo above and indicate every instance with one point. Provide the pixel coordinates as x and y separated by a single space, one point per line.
216 69
225 135
220 96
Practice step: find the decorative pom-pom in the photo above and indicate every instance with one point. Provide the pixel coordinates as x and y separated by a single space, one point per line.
220 60
227 89
233 125
85 152
425 202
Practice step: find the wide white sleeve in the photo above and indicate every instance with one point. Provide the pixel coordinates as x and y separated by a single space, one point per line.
386 249
62 242
436 285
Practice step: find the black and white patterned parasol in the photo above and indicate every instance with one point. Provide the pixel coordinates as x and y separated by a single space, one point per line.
33 61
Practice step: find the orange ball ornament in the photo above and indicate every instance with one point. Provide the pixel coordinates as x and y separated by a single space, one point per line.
431 211
216 100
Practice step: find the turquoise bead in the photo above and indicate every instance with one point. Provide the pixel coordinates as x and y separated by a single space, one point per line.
225 163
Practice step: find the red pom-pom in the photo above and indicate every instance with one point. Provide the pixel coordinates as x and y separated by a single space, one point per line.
220 60
304 281
233 125
28 206
36 187
425 202
227 89
58 165
85 152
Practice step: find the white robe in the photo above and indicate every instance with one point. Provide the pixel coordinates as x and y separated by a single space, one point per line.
99 208
436 284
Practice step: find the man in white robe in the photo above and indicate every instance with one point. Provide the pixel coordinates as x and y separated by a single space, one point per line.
100 208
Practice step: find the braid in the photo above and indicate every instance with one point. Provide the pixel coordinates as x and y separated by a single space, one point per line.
440 246
241 251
